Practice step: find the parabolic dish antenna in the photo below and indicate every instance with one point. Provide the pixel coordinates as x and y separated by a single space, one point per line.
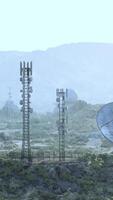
105 121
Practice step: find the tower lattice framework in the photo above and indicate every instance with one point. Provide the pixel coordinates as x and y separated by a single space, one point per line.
26 79
62 121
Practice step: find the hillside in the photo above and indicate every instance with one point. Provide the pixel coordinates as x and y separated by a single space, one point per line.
82 132
85 67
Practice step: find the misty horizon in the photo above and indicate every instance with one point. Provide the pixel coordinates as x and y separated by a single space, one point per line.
84 67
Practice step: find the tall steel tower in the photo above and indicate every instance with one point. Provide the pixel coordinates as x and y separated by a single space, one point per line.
62 121
26 78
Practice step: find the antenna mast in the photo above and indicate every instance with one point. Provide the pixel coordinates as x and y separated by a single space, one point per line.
26 79
62 121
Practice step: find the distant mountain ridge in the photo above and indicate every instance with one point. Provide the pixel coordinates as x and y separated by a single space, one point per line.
87 68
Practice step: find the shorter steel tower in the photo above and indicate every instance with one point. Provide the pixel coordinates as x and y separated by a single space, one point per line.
62 121
26 78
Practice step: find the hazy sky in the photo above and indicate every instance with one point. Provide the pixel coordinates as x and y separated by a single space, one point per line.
39 24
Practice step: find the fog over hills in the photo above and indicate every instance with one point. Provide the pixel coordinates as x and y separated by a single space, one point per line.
85 67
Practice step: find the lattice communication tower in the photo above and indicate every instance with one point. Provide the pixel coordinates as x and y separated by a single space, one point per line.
62 120
26 79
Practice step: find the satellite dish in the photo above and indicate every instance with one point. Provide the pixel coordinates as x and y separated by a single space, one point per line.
105 121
